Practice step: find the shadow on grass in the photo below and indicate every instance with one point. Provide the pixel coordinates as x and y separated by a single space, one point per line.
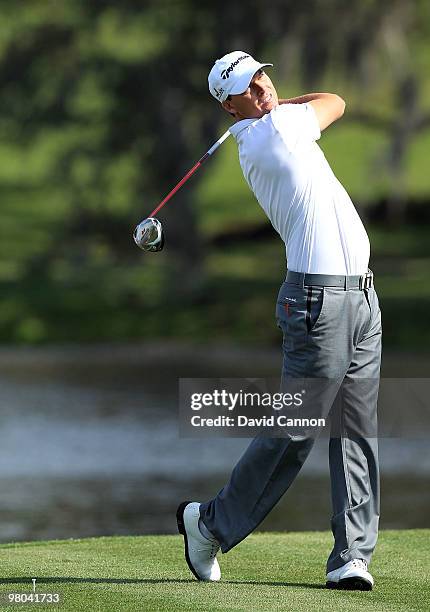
304 585
66 579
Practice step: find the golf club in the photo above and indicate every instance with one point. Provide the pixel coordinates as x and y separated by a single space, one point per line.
148 234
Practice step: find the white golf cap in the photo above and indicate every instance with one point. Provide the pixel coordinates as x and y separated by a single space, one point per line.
232 74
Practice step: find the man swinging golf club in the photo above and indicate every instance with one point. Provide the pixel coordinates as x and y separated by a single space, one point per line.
328 311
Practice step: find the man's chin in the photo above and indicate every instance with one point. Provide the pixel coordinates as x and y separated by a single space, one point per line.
260 113
267 110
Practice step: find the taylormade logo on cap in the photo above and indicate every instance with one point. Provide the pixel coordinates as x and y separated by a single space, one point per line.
225 73
232 74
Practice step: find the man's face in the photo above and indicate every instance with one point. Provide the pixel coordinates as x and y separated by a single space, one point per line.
258 100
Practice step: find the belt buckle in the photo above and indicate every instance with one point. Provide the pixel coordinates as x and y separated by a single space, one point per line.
366 280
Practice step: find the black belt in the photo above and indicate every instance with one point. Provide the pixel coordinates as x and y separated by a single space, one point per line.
361 281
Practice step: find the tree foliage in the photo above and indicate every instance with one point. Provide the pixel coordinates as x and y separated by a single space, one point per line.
104 106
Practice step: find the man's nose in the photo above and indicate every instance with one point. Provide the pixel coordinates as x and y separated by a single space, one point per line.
259 88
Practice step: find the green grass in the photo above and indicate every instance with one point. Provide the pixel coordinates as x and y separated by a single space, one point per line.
233 299
357 154
268 571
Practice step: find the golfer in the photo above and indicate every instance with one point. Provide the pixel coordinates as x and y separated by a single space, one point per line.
328 311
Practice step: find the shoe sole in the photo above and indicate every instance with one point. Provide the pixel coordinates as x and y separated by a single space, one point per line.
350 584
182 531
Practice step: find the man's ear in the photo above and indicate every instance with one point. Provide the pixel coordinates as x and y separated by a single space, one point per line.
229 107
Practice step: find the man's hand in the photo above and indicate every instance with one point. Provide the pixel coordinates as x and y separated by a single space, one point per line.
327 106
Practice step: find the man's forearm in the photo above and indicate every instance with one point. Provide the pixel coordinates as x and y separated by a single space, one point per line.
328 106
305 98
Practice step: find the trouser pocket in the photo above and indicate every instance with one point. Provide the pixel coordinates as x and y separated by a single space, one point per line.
299 311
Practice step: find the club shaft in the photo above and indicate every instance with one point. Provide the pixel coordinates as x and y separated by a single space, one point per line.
190 172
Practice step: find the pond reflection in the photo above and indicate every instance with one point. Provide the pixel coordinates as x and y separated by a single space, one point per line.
90 446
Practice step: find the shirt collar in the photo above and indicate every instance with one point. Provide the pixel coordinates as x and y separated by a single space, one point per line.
241 125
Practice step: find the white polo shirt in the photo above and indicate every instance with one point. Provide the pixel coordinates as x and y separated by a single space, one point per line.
294 184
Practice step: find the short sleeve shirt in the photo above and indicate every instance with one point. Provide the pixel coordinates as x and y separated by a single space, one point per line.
294 184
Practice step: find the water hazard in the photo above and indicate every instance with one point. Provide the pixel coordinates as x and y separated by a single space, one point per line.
90 446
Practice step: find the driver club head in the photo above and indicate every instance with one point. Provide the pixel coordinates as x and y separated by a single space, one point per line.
149 235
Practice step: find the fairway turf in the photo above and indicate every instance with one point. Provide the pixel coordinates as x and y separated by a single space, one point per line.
268 571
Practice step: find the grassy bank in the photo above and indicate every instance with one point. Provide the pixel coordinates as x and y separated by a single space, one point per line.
266 572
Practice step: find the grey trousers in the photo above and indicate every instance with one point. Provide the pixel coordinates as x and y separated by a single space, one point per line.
329 333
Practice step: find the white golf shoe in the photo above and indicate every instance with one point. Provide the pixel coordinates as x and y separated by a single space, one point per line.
200 553
351 576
